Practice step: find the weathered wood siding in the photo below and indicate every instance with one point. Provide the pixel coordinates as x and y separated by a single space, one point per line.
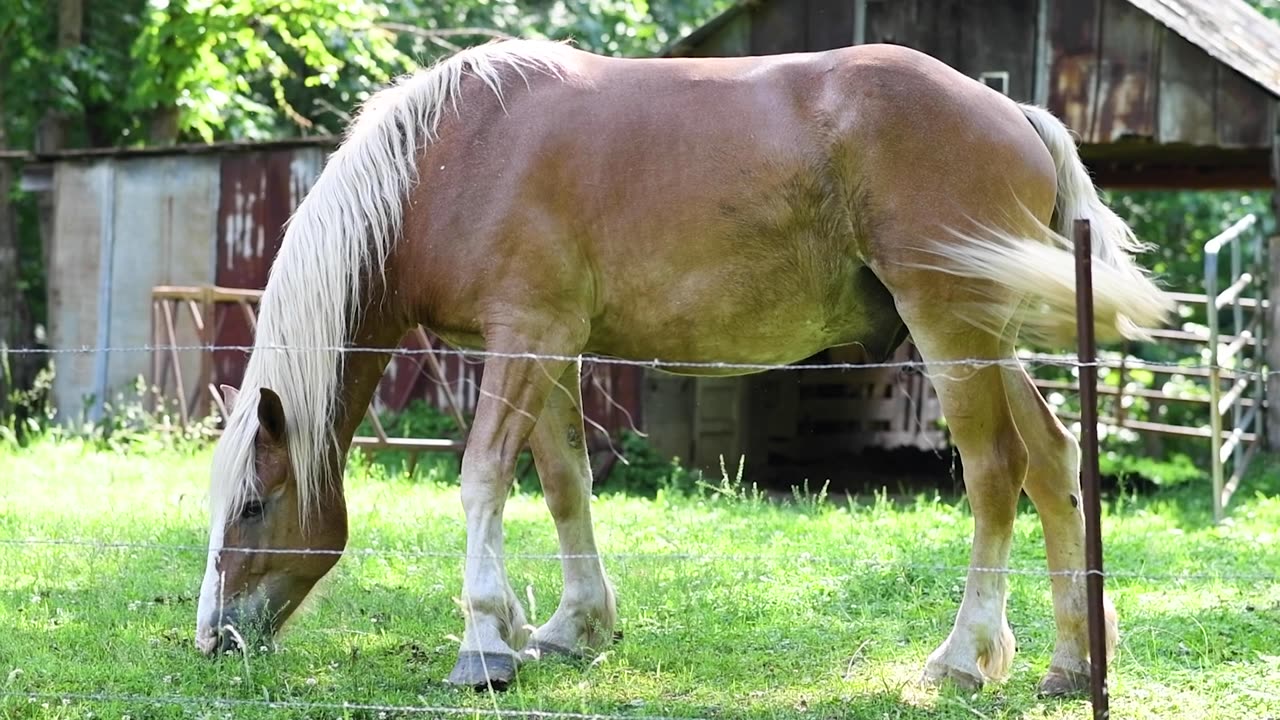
1115 74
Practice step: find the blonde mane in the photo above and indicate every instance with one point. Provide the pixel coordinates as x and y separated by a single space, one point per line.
341 233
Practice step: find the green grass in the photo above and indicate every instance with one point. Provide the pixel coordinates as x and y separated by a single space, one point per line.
824 610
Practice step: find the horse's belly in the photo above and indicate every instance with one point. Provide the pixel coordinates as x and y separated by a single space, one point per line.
727 324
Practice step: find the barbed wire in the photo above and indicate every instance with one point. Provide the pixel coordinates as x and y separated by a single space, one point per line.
1021 360
206 701
672 557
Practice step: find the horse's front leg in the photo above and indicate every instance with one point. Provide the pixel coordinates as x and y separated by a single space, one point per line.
587 613
512 394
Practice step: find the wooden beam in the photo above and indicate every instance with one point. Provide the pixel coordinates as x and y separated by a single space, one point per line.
1271 319
1175 175
1271 350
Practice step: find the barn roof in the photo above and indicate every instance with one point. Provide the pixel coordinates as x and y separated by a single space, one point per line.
1231 31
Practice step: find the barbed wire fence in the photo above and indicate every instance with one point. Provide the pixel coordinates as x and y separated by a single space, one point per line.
971 365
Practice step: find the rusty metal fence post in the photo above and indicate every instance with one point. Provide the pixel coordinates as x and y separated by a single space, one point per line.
1091 486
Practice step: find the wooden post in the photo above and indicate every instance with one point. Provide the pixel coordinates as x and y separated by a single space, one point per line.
1270 352
1119 411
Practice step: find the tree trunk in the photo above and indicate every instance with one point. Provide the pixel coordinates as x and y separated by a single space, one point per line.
53 126
16 321
164 126
15 328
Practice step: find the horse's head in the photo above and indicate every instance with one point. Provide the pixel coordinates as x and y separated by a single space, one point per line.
252 582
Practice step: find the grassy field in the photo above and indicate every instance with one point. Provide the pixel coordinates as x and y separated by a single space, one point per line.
806 610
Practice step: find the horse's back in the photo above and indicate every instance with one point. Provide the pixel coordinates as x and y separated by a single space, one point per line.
748 188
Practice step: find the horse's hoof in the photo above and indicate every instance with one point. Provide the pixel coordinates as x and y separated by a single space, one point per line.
483 671
538 650
1063 683
940 675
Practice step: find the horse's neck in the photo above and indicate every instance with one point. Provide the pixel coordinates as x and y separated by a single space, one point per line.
359 378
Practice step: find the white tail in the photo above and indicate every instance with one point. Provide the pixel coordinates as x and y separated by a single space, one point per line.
1042 268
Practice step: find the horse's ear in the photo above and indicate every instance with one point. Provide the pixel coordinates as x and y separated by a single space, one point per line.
229 395
271 422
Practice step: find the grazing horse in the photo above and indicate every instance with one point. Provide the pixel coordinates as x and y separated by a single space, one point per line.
540 202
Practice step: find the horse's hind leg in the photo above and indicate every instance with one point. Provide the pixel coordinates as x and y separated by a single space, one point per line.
585 619
1053 483
980 645
512 395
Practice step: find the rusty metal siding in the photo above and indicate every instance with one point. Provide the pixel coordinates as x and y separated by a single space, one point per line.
259 192
1230 31
1244 112
1128 73
611 398
1118 74
1186 110
930 26
408 378
1074 63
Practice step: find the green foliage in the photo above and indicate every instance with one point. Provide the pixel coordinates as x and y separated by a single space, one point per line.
644 471
242 68
27 413
1179 223
417 420
1270 8
138 420
611 27
257 69
142 420
27 31
1166 471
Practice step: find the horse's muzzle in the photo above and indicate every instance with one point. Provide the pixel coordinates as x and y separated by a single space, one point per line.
233 631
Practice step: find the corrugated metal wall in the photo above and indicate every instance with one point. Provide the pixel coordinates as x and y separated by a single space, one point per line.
258 193
119 229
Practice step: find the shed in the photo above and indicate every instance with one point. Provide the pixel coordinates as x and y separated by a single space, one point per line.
1163 94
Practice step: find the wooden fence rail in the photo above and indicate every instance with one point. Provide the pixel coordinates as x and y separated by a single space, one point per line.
168 302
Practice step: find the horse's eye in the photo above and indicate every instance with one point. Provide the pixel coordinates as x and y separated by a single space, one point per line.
251 510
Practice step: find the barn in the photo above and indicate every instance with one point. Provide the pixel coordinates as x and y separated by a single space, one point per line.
1172 94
